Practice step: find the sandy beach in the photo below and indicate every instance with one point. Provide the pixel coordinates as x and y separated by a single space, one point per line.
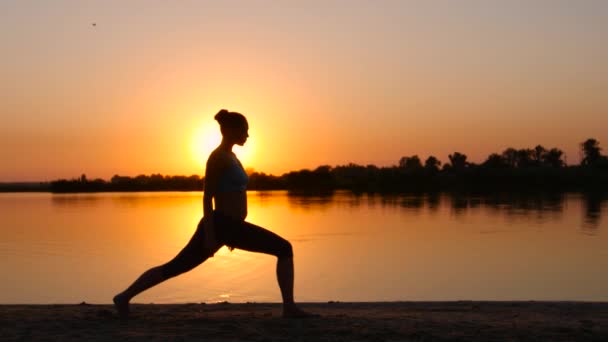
393 321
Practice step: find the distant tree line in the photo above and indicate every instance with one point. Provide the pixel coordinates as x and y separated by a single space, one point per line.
525 169
25 187
154 182
531 169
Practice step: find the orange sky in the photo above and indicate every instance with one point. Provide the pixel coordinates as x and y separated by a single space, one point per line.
321 82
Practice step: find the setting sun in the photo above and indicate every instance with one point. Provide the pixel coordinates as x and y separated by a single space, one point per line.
206 137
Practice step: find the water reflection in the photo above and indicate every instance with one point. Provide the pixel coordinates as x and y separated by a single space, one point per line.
433 201
592 204
459 203
539 207
317 200
262 197
123 199
75 200
521 204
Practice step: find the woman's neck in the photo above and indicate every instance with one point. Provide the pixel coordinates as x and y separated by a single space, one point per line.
226 146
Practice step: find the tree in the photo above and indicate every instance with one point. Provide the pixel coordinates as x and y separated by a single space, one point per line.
495 161
539 154
591 150
410 163
458 160
553 158
432 164
525 157
510 157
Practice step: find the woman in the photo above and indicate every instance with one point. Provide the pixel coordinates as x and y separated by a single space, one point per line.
225 185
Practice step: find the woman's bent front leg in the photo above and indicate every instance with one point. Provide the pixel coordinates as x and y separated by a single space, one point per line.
253 238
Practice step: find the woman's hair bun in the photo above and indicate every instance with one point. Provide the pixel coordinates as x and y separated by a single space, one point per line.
222 115
228 119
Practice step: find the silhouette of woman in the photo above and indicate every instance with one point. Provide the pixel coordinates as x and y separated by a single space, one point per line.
225 185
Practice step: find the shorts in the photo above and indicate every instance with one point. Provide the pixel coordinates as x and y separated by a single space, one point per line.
231 232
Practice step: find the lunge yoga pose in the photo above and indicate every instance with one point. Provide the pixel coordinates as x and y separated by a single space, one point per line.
225 185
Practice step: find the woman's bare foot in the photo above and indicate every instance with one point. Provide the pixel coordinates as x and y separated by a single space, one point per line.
293 311
122 306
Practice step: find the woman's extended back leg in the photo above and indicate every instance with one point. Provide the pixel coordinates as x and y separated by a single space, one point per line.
189 257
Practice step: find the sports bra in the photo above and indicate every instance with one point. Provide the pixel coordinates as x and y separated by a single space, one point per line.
234 178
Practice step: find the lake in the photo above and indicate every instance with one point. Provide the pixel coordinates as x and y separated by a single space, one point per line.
69 248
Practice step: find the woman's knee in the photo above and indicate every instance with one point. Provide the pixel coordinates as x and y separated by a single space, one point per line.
170 270
179 265
285 249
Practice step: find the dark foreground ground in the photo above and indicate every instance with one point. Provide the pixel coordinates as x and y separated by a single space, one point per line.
395 321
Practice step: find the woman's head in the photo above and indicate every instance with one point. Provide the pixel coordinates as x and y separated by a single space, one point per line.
233 125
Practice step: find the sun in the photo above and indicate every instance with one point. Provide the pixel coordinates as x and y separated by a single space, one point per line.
206 137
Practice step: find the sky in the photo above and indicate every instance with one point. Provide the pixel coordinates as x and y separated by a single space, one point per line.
131 87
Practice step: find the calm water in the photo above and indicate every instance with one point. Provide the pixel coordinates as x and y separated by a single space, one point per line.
86 247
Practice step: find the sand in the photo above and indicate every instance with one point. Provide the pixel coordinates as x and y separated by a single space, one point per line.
394 321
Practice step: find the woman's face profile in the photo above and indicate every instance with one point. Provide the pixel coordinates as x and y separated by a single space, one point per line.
241 134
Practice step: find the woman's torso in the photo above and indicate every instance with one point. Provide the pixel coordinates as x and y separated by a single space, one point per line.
230 196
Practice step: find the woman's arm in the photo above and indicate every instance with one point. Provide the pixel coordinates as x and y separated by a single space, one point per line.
212 172
211 181
207 203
